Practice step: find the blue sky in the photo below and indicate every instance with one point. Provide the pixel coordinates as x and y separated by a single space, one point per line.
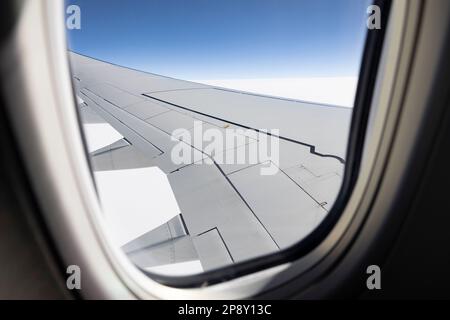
225 39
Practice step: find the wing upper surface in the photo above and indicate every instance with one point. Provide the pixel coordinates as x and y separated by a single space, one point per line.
229 212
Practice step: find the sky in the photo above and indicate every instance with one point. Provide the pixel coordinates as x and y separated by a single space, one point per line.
225 39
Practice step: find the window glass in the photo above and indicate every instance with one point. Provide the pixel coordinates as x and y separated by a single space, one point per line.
216 130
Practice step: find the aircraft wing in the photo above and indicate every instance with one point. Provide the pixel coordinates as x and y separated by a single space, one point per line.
228 212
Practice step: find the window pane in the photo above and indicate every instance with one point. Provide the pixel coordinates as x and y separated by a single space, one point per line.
217 130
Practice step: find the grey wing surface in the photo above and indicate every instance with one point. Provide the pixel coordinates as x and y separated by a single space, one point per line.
229 212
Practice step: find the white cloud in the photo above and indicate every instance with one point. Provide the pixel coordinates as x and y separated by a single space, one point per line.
99 135
332 90
178 269
79 100
135 201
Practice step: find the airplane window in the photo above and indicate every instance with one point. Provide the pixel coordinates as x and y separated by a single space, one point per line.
216 130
